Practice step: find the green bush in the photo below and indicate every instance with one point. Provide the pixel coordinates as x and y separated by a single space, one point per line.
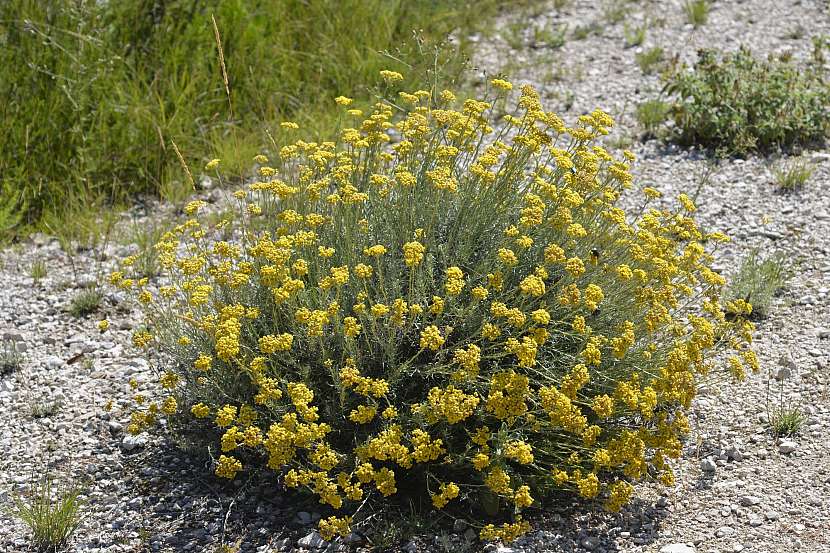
739 103
461 314
95 92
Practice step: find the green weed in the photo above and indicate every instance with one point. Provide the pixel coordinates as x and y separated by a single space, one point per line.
614 11
551 37
51 515
40 409
786 421
635 35
581 32
651 114
10 358
697 12
37 270
649 60
145 235
85 302
758 280
792 174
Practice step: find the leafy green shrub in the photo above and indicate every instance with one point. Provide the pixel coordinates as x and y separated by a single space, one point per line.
758 280
95 92
740 103
460 314
52 515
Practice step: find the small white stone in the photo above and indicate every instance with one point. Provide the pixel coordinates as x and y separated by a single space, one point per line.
708 465
735 454
749 500
787 446
312 541
678 548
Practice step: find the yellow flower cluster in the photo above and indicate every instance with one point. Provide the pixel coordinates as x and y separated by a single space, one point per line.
425 294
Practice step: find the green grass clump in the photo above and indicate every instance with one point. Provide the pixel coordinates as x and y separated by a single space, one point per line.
52 515
649 60
786 421
463 319
651 114
144 235
758 280
550 36
10 358
740 103
37 270
581 32
85 302
39 409
635 35
793 174
94 93
697 12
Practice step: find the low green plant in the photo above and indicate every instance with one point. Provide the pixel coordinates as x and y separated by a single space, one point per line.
581 32
39 409
792 174
144 235
759 279
786 421
821 43
551 37
37 270
635 35
649 60
697 12
514 34
463 318
52 515
85 302
10 358
651 114
738 102
795 33
614 11
783 418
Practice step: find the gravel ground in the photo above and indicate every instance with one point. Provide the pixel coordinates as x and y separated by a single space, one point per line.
738 488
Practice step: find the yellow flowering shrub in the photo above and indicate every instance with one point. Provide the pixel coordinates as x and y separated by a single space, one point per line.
438 304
